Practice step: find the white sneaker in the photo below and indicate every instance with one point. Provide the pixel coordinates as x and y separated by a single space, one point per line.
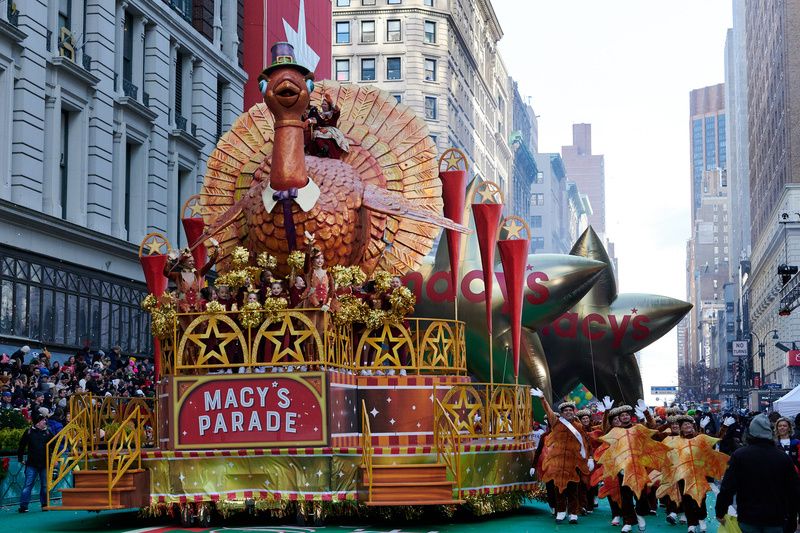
366 372
672 519
390 372
304 368
626 528
402 371
379 373
573 519
615 521
702 525
290 368
560 516
682 518
642 523
691 529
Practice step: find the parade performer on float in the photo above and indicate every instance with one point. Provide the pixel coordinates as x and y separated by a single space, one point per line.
690 462
631 455
567 457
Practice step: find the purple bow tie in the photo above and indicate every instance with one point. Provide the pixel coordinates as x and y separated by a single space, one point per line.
288 194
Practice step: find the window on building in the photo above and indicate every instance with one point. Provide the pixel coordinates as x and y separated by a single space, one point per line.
393 68
539 178
393 33
368 69
221 87
430 70
129 154
127 49
64 162
367 31
342 70
393 2
430 108
179 86
64 14
434 138
430 31
429 3
342 3
537 198
342 32
367 2
537 243
536 221
398 97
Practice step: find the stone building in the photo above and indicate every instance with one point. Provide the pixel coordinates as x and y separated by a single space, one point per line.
109 111
440 58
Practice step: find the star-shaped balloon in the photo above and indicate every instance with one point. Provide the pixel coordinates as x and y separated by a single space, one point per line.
554 283
596 340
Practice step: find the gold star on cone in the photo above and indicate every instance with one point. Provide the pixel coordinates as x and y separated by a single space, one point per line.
154 246
514 229
488 192
195 209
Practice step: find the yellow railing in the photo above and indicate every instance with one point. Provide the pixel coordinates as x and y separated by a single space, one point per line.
125 448
448 443
366 448
486 411
206 342
67 450
108 412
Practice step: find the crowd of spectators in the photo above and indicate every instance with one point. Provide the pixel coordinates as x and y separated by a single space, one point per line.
32 382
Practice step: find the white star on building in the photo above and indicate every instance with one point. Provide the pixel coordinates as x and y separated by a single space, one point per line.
303 53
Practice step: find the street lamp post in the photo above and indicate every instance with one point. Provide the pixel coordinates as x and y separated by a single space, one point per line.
761 346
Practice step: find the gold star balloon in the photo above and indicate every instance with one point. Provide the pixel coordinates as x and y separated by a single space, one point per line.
553 284
595 341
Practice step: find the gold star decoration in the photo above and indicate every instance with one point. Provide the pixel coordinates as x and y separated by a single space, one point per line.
193 205
514 226
221 338
489 193
393 338
453 159
294 351
464 409
440 345
154 244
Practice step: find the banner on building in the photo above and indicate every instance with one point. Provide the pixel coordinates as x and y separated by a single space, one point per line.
793 358
305 24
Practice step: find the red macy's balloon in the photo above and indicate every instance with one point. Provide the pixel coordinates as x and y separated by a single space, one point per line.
595 342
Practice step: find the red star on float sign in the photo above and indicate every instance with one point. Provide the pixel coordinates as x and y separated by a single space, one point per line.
605 330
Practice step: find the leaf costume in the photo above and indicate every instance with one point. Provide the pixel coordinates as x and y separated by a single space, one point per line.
562 455
633 451
693 461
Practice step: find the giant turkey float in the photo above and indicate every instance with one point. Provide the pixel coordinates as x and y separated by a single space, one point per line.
338 369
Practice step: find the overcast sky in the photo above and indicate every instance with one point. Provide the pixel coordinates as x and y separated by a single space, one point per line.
626 67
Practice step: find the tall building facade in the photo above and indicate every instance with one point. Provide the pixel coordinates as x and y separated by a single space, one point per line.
707 124
559 211
109 111
773 113
440 58
524 167
708 249
587 170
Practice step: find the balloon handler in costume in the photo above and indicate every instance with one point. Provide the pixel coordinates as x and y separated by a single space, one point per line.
629 456
567 457
688 465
